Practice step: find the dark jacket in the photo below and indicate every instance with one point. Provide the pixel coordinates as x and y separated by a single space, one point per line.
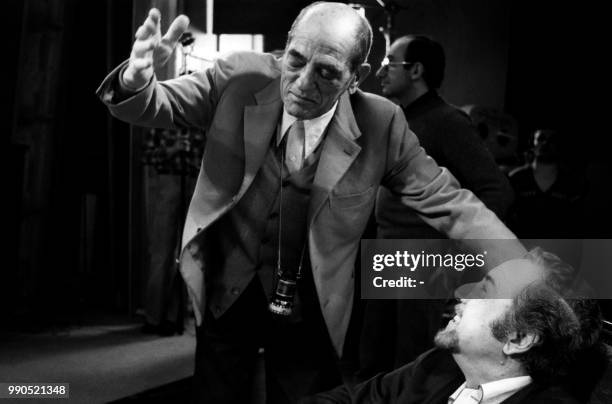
448 136
430 379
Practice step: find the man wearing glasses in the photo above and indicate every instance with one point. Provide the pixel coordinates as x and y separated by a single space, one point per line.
396 332
410 75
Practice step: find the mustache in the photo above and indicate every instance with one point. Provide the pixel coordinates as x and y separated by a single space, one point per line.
449 309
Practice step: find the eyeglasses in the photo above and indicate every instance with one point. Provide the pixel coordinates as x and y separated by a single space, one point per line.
386 63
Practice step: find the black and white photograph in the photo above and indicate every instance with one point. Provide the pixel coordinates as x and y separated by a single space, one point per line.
305 202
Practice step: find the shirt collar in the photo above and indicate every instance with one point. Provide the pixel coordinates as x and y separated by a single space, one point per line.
313 128
489 393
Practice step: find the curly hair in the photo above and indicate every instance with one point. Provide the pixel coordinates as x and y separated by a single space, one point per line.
565 328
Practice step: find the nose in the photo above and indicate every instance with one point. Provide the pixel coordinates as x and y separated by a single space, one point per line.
467 291
306 79
382 70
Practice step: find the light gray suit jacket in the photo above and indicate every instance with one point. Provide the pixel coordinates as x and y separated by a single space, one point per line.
368 143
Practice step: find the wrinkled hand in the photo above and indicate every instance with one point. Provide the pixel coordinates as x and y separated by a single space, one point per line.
151 49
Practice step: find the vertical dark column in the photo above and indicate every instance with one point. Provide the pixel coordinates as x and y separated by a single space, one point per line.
118 40
16 153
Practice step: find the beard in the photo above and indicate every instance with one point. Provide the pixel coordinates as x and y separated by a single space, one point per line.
447 339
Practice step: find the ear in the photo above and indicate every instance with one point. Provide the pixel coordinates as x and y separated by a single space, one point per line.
360 76
519 343
416 71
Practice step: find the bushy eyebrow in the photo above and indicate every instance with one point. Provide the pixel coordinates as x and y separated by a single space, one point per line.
297 55
302 59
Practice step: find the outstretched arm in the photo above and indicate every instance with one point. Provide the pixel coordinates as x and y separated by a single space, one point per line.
133 94
151 49
439 200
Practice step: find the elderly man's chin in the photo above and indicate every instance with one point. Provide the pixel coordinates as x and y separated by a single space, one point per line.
297 111
302 111
447 339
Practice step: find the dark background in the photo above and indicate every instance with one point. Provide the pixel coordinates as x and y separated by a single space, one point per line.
75 229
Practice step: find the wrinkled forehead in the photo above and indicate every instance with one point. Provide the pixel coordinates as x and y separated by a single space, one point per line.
320 53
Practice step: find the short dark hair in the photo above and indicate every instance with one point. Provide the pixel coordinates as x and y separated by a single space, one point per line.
363 37
430 54
565 329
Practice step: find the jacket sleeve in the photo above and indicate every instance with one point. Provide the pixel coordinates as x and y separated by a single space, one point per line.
375 390
384 388
435 194
186 101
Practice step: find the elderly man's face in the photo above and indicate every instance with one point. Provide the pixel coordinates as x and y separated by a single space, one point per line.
315 68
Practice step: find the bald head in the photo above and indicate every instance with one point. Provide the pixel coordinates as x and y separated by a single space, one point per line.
323 58
341 22
508 279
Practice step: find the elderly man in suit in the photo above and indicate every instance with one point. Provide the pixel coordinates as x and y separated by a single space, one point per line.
514 339
294 156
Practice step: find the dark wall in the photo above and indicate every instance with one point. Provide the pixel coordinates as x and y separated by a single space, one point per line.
554 77
474 34
69 240
539 88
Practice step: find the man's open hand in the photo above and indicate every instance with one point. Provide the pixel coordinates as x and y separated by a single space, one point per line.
151 49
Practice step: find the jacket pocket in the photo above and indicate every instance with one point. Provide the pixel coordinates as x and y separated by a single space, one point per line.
351 200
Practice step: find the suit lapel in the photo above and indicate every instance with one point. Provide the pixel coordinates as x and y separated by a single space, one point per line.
260 122
339 148
339 152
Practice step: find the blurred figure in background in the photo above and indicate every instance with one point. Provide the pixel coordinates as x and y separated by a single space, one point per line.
499 132
160 302
549 194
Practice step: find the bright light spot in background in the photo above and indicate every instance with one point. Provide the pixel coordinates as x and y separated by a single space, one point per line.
236 42
204 49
